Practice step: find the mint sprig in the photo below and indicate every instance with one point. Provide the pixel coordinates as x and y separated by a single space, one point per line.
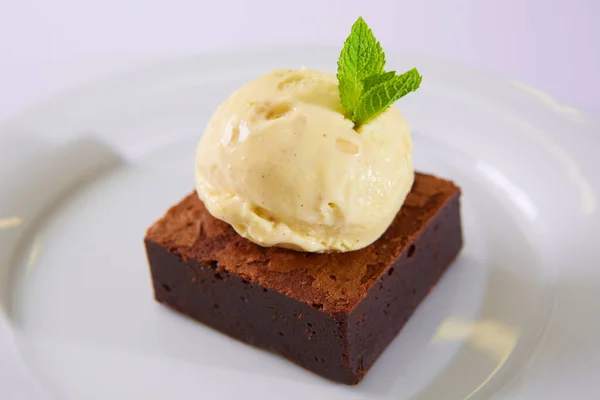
366 90
361 57
383 94
375 80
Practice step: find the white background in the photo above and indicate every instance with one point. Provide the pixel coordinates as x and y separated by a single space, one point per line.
48 46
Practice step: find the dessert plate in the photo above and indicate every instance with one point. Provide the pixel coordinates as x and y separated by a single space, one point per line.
83 175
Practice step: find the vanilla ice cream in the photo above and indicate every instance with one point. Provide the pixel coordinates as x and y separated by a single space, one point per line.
280 163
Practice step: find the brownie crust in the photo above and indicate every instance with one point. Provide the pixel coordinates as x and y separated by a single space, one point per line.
331 313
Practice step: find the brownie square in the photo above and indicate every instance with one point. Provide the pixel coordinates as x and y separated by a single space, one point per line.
333 314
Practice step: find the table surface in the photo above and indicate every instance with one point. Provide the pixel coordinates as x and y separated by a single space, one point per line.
50 46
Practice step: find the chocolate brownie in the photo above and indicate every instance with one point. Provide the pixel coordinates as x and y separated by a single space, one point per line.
331 313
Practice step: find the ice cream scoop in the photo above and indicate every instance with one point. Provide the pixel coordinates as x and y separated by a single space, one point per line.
281 164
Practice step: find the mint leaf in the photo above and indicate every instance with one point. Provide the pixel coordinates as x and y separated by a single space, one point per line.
374 80
366 90
377 99
361 57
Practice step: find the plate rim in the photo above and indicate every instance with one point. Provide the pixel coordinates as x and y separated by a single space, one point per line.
231 51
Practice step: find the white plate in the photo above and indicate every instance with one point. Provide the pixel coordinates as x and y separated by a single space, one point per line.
85 174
